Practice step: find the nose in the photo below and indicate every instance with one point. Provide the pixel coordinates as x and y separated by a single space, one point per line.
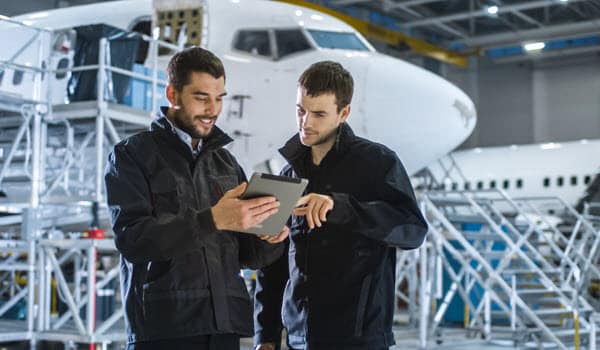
415 112
210 107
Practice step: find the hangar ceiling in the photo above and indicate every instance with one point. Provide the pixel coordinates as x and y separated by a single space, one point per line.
467 25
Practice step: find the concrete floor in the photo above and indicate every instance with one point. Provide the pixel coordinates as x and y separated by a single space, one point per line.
453 339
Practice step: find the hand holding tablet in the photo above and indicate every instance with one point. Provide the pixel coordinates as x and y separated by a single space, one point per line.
286 190
260 207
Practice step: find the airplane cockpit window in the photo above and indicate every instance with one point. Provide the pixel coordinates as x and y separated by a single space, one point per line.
338 40
290 41
255 42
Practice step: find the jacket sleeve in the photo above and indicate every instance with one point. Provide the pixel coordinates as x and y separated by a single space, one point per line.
393 218
268 299
256 253
141 236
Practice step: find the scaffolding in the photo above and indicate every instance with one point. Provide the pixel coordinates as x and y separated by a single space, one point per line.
52 192
522 280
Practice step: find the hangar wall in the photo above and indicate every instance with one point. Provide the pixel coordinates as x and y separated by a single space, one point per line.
533 101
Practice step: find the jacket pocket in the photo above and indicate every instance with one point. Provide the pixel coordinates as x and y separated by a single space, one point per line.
165 198
361 308
176 312
184 272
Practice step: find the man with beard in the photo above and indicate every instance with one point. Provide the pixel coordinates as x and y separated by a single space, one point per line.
360 206
173 194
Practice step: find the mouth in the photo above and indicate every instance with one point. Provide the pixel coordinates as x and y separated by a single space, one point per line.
307 132
206 122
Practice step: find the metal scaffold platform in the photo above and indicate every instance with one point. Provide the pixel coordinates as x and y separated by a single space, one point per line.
58 271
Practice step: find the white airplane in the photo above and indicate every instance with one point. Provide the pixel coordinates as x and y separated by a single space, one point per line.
564 170
265 45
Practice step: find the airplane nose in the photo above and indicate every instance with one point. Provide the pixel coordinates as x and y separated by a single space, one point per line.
412 110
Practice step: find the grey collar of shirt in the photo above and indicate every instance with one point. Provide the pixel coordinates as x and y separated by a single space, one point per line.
184 137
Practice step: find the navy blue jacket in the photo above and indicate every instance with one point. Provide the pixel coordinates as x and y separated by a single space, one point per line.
179 274
339 279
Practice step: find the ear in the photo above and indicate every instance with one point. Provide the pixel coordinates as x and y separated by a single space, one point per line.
345 112
171 94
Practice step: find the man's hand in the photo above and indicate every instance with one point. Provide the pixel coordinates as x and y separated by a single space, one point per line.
234 214
265 346
315 207
280 237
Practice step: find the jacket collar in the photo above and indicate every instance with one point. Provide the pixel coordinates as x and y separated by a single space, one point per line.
293 149
217 138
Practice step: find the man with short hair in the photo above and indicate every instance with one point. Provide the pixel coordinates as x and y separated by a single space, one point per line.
173 194
360 206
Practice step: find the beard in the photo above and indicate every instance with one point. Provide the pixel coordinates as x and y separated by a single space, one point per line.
189 126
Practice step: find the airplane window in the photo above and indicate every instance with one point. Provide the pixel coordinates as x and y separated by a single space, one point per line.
63 63
587 179
18 77
467 185
493 184
454 186
505 184
1 76
255 42
290 41
337 40
480 185
443 186
573 180
519 183
560 181
546 182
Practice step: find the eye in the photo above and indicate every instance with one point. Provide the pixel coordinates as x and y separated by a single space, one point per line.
300 111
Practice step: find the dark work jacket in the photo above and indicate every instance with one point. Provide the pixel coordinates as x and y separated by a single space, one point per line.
340 292
179 274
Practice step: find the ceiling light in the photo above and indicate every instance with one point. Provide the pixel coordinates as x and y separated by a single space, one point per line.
550 145
298 13
492 10
534 46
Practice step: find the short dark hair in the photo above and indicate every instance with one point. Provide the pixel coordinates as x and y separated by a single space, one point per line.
193 59
328 77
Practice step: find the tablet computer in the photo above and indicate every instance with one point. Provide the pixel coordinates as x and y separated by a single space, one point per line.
287 190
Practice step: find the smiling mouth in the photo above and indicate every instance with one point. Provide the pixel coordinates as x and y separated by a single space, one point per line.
207 121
